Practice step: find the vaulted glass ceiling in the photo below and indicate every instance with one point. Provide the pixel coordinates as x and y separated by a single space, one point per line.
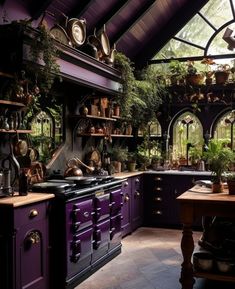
202 35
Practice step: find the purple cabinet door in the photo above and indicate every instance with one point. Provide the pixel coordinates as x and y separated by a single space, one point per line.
116 201
79 252
126 208
101 238
31 248
136 203
101 206
115 231
79 214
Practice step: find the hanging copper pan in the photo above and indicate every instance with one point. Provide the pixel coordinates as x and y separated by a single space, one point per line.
104 40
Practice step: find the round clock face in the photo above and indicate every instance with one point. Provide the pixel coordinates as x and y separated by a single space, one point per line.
59 34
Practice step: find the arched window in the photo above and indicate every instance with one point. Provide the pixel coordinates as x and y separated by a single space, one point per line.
187 133
153 128
225 128
46 133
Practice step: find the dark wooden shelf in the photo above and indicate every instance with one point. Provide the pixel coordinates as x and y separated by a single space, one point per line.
12 103
4 74
93 117
15 131
103 135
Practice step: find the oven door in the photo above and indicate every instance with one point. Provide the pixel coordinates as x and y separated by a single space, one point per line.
79 252
116 200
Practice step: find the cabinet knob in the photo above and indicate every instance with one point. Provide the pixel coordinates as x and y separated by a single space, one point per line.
158 199
158 179
137 193
33 213
158 212
125 184
32 238
126 198
137 181
158 189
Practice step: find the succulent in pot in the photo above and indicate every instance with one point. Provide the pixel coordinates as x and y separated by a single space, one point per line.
193 77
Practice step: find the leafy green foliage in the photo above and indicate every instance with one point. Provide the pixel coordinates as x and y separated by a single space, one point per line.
219 158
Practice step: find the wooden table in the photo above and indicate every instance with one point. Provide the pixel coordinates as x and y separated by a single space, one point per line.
194 203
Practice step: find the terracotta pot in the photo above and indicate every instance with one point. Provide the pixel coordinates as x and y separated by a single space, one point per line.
117 166
217 188
196 79
221 77
231 187
131 167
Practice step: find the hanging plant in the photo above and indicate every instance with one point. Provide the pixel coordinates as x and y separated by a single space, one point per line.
43 50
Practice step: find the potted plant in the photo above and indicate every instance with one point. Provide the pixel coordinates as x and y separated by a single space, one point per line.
177 71
231 182
118 156
208 70
193 77
222 73
131 161
219 157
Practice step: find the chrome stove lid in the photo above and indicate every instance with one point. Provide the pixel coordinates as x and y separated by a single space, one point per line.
53 186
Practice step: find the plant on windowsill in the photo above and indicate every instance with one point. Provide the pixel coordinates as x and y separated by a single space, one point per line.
219 158
118 156
193 77
131 161
177 72
208 62
222 73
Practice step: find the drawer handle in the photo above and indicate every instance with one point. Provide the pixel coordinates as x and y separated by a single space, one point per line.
158 199
158 179
158 189
137 193
86 214
32 238
33 213
137 181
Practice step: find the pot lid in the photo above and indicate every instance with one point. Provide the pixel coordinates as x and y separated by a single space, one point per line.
52 186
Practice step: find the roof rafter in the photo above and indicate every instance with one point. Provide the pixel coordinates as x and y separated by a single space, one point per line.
38 8
133 21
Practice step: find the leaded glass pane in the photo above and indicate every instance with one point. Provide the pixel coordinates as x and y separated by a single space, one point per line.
218 45
225 128
187 130
218 12
175 48
196 31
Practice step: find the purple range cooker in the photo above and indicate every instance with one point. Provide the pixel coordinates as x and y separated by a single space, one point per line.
85 226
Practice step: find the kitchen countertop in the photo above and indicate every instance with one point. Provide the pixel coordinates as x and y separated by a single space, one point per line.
166 172
17 201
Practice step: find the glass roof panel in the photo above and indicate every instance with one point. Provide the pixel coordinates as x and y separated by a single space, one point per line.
196 31
175 48
218 45
218 12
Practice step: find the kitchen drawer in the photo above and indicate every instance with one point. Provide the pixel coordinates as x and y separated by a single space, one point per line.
28 214
116 201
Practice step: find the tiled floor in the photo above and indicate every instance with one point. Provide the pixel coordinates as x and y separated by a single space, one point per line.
150 259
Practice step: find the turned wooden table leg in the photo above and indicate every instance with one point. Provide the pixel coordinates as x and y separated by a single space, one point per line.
187 247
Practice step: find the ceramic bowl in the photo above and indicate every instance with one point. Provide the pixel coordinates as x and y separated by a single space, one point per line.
203 261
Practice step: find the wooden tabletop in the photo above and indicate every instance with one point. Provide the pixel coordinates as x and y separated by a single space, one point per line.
17 201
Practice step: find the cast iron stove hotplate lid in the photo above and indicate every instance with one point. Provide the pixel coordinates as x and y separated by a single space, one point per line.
53 186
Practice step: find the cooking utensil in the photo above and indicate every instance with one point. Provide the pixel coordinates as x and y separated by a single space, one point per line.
95 42
76 29
90 168
72 168
11 163
21 147
104 40
94 157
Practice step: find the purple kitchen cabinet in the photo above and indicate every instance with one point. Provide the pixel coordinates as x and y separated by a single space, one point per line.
126 208
132 209
24 247
136 202
115 231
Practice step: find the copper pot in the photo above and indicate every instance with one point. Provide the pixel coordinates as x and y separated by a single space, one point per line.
72 169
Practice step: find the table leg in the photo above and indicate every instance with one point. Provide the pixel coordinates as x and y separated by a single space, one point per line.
187 247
